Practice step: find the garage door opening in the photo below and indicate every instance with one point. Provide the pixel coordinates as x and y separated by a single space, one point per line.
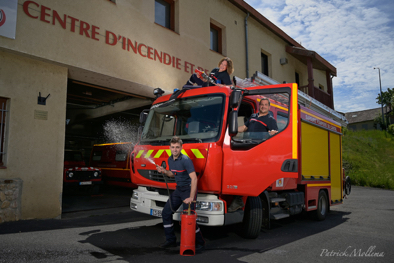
98 115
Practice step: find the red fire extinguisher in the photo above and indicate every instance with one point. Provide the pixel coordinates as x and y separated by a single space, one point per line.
188 232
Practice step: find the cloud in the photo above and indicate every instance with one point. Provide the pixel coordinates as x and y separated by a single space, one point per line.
352 35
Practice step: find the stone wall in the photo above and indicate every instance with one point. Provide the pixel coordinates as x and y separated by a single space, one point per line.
10 199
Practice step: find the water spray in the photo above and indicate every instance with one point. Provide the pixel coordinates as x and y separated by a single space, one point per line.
151 161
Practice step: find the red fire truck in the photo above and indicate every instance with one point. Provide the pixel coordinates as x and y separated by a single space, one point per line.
113 159
76 173
298 169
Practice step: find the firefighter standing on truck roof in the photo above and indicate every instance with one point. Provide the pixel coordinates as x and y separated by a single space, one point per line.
181 167
258 122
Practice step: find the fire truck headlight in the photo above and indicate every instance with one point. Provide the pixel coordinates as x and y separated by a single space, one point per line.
134 196
70 174
209 206
96 174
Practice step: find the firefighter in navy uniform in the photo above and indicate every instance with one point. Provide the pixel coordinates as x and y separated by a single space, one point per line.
221 75
262 121
181 167
257 124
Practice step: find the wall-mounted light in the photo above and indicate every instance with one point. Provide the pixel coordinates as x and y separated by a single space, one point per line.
42 100
283 61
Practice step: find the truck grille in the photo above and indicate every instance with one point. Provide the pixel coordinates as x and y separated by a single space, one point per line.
155 176
82 175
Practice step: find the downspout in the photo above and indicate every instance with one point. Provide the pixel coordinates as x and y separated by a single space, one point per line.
246 46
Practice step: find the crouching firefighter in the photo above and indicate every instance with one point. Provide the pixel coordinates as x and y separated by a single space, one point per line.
181 167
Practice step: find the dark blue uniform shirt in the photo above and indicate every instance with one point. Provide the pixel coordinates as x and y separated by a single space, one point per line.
181 168
220 77
261 124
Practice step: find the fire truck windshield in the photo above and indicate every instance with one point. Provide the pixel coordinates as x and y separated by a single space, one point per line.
193 119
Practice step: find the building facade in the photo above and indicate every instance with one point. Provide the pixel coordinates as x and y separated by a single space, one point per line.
73 65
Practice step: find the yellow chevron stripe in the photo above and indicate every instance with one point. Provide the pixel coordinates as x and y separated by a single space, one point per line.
158 154
197 153
148 153
168 152
139 154
184 152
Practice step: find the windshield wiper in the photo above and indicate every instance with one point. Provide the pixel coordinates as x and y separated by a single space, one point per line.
248 141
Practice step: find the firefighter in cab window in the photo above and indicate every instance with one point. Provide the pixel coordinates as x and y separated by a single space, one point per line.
261 122
218 77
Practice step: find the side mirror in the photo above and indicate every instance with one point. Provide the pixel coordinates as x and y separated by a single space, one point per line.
140 132
234 98
233 123
144 116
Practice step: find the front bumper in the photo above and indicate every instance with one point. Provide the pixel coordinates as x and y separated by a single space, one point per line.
145 201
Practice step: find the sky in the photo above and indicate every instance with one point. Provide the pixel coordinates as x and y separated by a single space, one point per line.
353 35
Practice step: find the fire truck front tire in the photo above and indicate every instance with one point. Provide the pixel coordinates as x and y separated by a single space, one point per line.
322 206
253 218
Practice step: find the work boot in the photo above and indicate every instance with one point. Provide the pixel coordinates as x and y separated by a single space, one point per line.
237 203
200 247
168 244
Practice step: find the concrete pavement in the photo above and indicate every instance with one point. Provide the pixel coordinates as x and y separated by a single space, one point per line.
349 233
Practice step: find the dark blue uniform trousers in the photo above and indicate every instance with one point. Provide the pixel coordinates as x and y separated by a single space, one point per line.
177 197
195 80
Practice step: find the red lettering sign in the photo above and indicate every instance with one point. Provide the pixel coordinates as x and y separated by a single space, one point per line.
83 28
57 17
133 47
92 31
95 32
44 14
107 34
165 59
73 20
139 49
150 53
159 56
26 8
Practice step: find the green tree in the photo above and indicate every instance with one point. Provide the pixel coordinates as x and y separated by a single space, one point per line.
387 100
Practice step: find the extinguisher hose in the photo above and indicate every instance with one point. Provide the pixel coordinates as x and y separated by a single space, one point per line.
169 196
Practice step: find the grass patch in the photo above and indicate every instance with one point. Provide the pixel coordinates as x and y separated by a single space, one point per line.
368 158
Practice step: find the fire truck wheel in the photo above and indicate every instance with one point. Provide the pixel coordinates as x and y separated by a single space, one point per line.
253 218
322 206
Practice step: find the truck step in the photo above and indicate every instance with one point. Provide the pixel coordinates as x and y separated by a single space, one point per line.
277 200
279 216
